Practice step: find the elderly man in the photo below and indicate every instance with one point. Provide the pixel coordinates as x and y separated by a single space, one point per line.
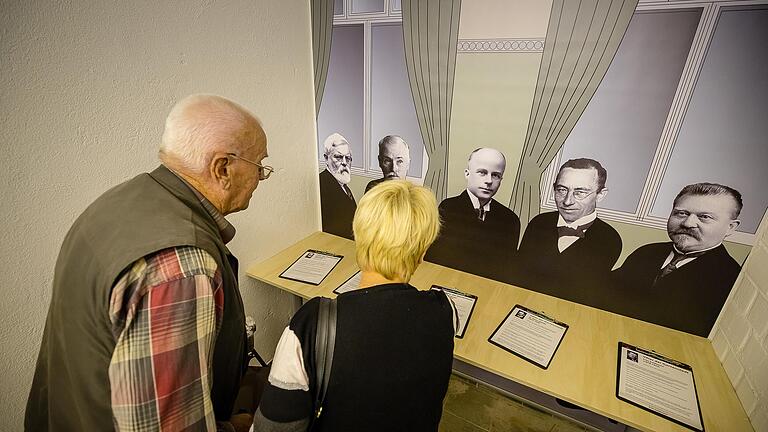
479 234
146 328
337 204
683 283
394 160
569 253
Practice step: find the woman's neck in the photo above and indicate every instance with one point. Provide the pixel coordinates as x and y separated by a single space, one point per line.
369 278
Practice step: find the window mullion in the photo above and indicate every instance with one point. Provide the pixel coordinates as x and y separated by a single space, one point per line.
367 96
676 114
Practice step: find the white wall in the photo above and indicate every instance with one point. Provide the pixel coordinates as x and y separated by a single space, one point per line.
493 19
740 336
84 89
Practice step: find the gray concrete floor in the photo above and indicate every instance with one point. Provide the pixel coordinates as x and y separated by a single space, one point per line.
473 407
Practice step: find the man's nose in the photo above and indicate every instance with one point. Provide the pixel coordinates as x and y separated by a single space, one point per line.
568 198
690 221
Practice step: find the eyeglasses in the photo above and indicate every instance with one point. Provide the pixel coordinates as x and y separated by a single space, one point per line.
562 192
264 170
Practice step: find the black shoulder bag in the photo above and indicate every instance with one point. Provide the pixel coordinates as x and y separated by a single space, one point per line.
325 342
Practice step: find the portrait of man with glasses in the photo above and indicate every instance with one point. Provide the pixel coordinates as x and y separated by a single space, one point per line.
569 253
337 204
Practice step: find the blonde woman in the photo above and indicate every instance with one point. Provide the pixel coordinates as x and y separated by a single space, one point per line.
394 344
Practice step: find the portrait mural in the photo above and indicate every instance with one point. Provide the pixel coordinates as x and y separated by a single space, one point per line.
604 165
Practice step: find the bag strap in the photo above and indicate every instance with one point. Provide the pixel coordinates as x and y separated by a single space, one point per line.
325 342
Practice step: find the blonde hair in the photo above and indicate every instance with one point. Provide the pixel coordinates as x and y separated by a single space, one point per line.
394 224
200 125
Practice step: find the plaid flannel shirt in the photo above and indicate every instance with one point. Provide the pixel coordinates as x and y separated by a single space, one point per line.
166 312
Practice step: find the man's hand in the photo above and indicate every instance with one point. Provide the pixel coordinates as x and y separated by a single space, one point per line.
242 422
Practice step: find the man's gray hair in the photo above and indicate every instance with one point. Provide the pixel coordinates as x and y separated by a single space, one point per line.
199 126
711 189
334 140
391 139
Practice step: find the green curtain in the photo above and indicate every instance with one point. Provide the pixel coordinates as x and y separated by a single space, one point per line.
430 35
582 38
322 30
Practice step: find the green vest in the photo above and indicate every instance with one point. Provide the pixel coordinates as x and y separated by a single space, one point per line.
151 212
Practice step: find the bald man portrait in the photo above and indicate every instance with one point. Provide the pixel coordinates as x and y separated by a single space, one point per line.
479 234
394 160
684 283
569 253
337 204
146 327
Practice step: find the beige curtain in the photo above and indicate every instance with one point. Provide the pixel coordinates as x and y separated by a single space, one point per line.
430 34
582 38
322 29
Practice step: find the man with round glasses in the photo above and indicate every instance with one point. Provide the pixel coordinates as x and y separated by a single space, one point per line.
337 204
569 253
146 327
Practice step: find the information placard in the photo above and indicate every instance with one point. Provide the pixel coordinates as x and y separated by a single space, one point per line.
530 335
350 284
658 384
465 305
311 267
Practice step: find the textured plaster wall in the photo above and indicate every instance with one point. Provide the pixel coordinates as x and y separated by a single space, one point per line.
84 89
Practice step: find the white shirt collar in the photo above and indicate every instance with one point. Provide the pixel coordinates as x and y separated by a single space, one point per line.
691 252
476 202
578 222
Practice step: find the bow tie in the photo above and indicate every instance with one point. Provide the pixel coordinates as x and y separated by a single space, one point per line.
565 231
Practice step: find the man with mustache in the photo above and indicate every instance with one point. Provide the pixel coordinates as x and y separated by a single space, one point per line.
479 234
394 160
337 204
683 284
570 253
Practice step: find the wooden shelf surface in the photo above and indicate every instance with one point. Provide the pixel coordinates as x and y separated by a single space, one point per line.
583 370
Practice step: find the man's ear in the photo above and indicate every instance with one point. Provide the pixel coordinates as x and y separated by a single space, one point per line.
466 173
221 170
732 227
602 194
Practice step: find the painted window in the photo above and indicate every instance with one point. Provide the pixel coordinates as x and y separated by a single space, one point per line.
690 113
367 93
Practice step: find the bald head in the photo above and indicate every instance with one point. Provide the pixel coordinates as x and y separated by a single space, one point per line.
202 125
217 146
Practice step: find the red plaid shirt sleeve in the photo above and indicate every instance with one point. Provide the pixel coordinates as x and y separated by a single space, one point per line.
166 312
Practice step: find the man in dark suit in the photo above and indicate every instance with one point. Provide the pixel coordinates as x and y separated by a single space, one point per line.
569 253
394 160
479 234
683 284
337 204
